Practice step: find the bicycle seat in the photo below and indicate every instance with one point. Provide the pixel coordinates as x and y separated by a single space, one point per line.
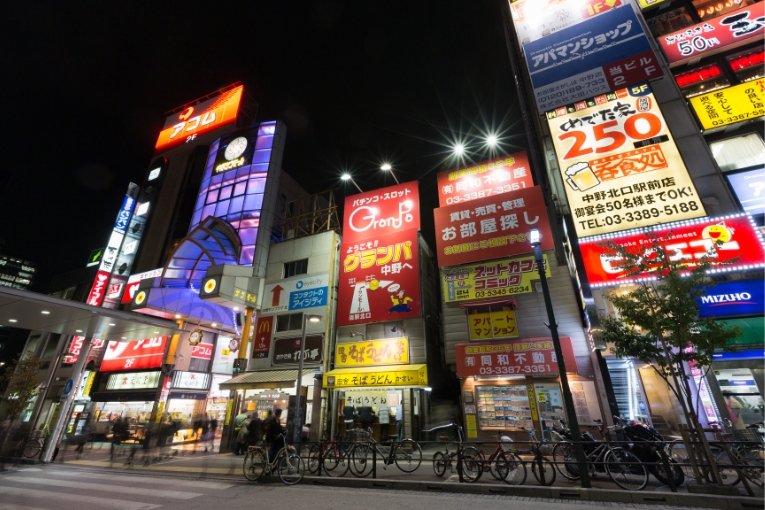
440 427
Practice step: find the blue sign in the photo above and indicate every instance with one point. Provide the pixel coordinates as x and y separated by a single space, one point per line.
733 299
68 386
739 355
123 217
749 187
308 298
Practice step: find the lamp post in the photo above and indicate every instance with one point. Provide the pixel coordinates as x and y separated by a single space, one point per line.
386 167
298 427
568 401
348 177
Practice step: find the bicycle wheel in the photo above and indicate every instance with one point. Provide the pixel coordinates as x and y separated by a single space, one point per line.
625 469
361 460
408 455
314 456
440 461
543 470
336 462
728 473
291 469
660 472
509 468
254 465
32 449
752 462
564 460
472 464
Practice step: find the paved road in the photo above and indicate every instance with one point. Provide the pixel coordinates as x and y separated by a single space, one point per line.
56 487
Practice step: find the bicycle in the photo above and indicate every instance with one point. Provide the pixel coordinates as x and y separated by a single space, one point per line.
503 463
622 467
333 456
31 446
406 454
542 469
450 459
287 463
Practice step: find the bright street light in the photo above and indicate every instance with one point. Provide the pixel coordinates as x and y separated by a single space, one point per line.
298 430
347 177
386 167
535 239
458 150
491 140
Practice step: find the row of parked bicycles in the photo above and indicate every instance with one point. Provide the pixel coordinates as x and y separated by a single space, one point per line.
628 455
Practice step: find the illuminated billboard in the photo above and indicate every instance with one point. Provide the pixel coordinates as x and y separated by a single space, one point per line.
491 228
535 19
620 166
375 214
732 243
730 105
201 117
134 354
749 187
712 36
508 173
379 279
526 356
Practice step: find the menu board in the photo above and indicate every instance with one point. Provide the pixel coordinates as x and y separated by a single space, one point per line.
503 407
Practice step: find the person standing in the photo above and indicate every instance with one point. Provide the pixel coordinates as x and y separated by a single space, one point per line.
273 429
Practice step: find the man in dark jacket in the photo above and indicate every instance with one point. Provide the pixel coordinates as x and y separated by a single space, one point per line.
273 429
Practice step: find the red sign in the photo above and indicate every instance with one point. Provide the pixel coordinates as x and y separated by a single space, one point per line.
491 228
709 37
528 356
200 118
202 351
379 279
375 214
740 246
75 347
264 330
508 173
98 290
134 354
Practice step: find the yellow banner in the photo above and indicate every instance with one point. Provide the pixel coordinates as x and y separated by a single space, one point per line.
410 375
488 280
388 351
644 4
493 324
733 104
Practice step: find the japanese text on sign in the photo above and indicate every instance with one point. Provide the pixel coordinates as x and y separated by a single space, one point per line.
497 278
486 179
487 325
741 102
373 352
412 377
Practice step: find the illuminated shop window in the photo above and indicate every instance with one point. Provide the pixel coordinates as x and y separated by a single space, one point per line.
701 80
739 152
748 64
708 9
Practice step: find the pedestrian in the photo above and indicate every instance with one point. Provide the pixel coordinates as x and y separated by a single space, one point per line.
213 431
274 430
240 443
254 430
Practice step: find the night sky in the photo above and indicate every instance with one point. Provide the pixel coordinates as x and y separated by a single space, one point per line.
86 86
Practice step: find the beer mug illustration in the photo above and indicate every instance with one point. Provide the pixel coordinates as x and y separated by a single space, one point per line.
581 177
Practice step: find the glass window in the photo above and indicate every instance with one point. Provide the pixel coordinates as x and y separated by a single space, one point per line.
739 152
668 22
503 407
225 192
289 322
708 9
295 268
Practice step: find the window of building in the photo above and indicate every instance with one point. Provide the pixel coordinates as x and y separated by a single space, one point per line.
739 152
748 64
295 267
708 9
701 80
289 322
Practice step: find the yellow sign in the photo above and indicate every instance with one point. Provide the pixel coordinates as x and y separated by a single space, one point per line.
388 351
620 166
489 280
645 4
493 324
532 402
730 105
364 377
470 426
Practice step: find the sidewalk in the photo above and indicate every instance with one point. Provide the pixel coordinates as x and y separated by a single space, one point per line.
183 461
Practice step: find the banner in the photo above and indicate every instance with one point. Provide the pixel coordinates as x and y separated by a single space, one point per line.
599 54
489 280
738 103
528 356
733 243
491 228
508 173
379 279
709 37
261 340
287 350
620 166
134 354
389 351
375 214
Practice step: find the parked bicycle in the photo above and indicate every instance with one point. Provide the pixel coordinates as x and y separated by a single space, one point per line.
31 446
621 466
449 459
333 456
503 463
542 469
406 454
287 463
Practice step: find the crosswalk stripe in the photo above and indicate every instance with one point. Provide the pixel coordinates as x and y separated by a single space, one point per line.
145 480
11 506
56 497
133 491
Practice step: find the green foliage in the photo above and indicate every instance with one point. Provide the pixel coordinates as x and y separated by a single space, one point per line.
20 381
659 319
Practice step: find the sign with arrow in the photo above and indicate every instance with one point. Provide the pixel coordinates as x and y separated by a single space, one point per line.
295 294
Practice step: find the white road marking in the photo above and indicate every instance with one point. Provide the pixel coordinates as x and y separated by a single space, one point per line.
97 502
133 491
143 480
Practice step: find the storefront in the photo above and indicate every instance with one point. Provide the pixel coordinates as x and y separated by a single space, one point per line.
131 396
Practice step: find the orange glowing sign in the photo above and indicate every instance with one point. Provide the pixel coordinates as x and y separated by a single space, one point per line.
199 118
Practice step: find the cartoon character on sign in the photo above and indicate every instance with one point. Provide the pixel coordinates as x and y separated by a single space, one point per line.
718 233
400 302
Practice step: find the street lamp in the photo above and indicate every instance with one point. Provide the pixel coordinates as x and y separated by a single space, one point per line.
535 239
298 430
386 167
347 177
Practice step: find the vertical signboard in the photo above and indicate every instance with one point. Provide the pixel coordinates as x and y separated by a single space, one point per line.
264 331
620 165
375 214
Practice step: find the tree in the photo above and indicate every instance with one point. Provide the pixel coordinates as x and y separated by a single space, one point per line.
658 322
19 383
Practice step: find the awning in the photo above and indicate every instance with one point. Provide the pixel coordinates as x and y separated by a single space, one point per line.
377 376
261 379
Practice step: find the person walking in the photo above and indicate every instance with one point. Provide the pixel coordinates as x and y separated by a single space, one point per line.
273 429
